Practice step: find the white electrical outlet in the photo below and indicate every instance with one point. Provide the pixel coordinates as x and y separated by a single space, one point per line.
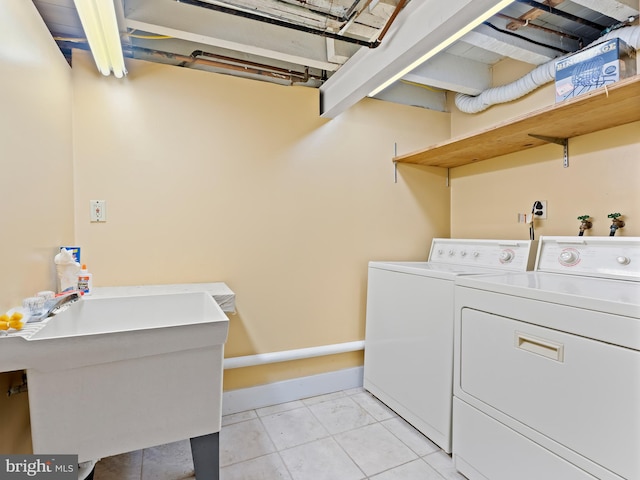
540 211
98 210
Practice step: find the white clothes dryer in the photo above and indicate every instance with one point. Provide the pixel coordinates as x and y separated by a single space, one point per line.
408 361
547 365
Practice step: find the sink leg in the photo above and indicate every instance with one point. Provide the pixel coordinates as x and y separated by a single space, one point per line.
205 451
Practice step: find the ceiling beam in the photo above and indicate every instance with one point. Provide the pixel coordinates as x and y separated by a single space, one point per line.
450 72
186 22
419 28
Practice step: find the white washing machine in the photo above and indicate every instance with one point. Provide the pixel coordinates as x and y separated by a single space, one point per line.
547 366
408 360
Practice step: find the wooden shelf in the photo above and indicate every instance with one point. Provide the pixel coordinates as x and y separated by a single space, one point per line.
615 105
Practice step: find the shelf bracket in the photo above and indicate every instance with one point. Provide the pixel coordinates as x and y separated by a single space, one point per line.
395 164
560 141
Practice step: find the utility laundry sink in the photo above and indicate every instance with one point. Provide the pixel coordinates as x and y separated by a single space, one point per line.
113 375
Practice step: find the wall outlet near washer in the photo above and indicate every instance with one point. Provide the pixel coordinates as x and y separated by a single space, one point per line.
540 209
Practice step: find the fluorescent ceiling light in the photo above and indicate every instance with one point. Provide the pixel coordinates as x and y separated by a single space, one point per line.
100 25
441 46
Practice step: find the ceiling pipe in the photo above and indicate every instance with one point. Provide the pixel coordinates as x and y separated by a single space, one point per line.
390 21
525 23
279 23
522 37
197 55
298 27
560 13
209 60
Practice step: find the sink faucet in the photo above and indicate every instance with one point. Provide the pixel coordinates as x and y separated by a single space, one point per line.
56 305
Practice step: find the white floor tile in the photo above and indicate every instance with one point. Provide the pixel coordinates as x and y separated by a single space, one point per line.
374 448
347 435
268 467
323 398
320 460
293 427
281 407
238 417
244 441
341 415
375 407
443 464
353 391
172 461
127 466
416 470
411 437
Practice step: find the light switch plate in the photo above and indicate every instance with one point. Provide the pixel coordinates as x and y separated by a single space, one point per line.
98 210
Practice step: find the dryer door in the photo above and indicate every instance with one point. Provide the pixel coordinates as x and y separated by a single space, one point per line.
582 393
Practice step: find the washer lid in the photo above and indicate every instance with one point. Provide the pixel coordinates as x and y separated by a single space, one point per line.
431 269
618 297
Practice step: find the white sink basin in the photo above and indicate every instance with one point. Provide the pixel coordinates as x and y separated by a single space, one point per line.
113 375
96 316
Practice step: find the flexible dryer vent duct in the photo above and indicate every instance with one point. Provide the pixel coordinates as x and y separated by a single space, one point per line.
537 77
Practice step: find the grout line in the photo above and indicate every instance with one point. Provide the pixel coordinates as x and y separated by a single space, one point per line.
331 435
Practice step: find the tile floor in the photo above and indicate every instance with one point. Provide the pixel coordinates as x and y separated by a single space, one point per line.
348 435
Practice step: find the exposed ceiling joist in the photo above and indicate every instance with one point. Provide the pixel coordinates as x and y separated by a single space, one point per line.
618 9
513 47
228 32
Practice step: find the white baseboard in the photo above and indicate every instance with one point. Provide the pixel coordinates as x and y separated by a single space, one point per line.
234 401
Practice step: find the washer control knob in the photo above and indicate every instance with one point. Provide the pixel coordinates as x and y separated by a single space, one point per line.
463 253
452 253
440 252
623 260
569 257
506 256
476 254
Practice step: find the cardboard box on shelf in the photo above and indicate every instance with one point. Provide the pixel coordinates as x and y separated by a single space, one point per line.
594 67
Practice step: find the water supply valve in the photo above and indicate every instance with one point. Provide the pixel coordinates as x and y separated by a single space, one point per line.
585 224
616 223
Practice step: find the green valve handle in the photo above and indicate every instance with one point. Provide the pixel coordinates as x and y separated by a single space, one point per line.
614 215
583 217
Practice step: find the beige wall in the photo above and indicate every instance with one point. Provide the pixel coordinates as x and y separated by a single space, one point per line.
214 178
37 203
602 176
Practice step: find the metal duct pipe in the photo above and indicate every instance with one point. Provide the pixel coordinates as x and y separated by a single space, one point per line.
537 77
288 355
